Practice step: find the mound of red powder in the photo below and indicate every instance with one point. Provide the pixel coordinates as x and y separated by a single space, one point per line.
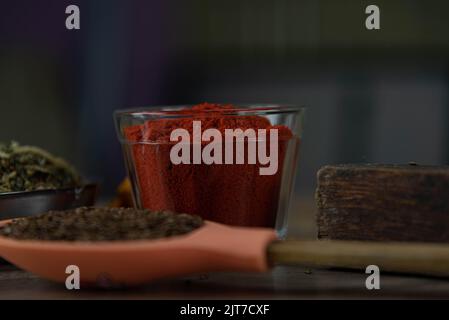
228 193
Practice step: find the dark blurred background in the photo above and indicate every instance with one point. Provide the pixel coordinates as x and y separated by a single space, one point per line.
377 96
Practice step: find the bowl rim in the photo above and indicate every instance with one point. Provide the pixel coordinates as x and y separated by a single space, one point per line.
13 194
172 111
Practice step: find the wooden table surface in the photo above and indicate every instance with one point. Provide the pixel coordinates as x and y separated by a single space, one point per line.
282 283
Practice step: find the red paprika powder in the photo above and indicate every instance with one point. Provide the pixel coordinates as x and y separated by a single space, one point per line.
234 194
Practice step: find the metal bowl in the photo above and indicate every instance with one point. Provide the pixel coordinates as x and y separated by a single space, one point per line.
28 203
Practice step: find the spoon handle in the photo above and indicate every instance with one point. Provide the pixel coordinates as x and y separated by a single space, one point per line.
413 258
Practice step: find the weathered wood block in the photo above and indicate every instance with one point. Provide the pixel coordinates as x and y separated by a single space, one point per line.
383 202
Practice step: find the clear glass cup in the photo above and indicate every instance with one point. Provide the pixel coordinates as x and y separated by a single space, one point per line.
232 193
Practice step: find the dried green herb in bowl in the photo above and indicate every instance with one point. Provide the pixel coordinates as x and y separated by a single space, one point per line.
29 168
101 224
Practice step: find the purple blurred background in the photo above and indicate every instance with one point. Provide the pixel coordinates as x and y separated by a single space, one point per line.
378 96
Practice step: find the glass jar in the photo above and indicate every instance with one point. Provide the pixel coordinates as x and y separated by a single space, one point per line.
239 173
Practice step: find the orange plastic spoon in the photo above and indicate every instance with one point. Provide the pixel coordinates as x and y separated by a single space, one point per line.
214 247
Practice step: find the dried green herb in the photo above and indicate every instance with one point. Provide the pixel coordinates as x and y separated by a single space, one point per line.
101 224
27 168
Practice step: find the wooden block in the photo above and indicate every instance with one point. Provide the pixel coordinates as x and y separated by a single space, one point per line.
383 202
